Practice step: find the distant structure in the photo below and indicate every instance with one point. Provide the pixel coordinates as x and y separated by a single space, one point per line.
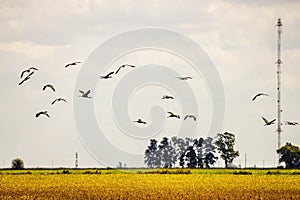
76 160
245 160
278 64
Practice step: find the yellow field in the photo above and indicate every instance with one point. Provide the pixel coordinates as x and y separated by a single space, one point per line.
149 186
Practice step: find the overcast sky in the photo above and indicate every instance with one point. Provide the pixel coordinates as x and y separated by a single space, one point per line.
238 36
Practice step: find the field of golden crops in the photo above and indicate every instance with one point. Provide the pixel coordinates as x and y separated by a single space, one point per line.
108 185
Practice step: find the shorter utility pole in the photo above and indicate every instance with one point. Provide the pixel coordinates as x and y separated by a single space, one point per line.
245 160
76 160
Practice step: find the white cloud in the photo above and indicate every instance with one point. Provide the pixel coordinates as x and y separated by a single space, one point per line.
31 50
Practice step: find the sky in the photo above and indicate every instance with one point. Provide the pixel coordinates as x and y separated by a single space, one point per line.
238 37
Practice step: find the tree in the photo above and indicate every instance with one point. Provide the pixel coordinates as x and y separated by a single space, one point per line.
167 153
209 158
200 151
17 163
151 155
225 145
205 152
179 146
289 154
191 157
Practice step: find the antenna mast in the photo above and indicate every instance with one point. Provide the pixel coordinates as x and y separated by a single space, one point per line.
76 160
278 63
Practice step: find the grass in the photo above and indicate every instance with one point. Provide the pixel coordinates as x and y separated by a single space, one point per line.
150 184
271 171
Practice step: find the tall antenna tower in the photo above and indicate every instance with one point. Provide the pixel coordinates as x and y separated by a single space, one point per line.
278 63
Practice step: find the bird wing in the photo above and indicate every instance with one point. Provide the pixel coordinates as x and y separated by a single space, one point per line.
26 78
118 70
171 113
271 122
23 72
38 114
47 115
265 120
194 117
110 73
88 92
29 75
185 117
53 102
34 68
52 87
259 94
22 82
255 97
130 66
63 99
67 65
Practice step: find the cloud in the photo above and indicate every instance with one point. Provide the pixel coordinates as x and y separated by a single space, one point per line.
29 49
239 36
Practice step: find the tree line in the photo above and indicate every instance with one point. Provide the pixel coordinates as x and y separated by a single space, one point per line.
191 153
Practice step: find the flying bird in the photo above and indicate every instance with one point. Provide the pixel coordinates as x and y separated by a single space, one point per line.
28 71
26 78
123 66
167 97
140 121
107 76
190 116
50 86
73 63
57 100
184 78
291 123
259 94
173 115
85 94
267 123
42 113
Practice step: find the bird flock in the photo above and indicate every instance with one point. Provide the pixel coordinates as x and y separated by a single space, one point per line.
85 94
30 72
271 122
26 75
111 74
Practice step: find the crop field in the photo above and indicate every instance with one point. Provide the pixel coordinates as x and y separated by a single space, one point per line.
150 184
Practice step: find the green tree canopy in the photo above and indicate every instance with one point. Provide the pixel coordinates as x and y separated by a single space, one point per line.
225 145
151 155
289 154
17 163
